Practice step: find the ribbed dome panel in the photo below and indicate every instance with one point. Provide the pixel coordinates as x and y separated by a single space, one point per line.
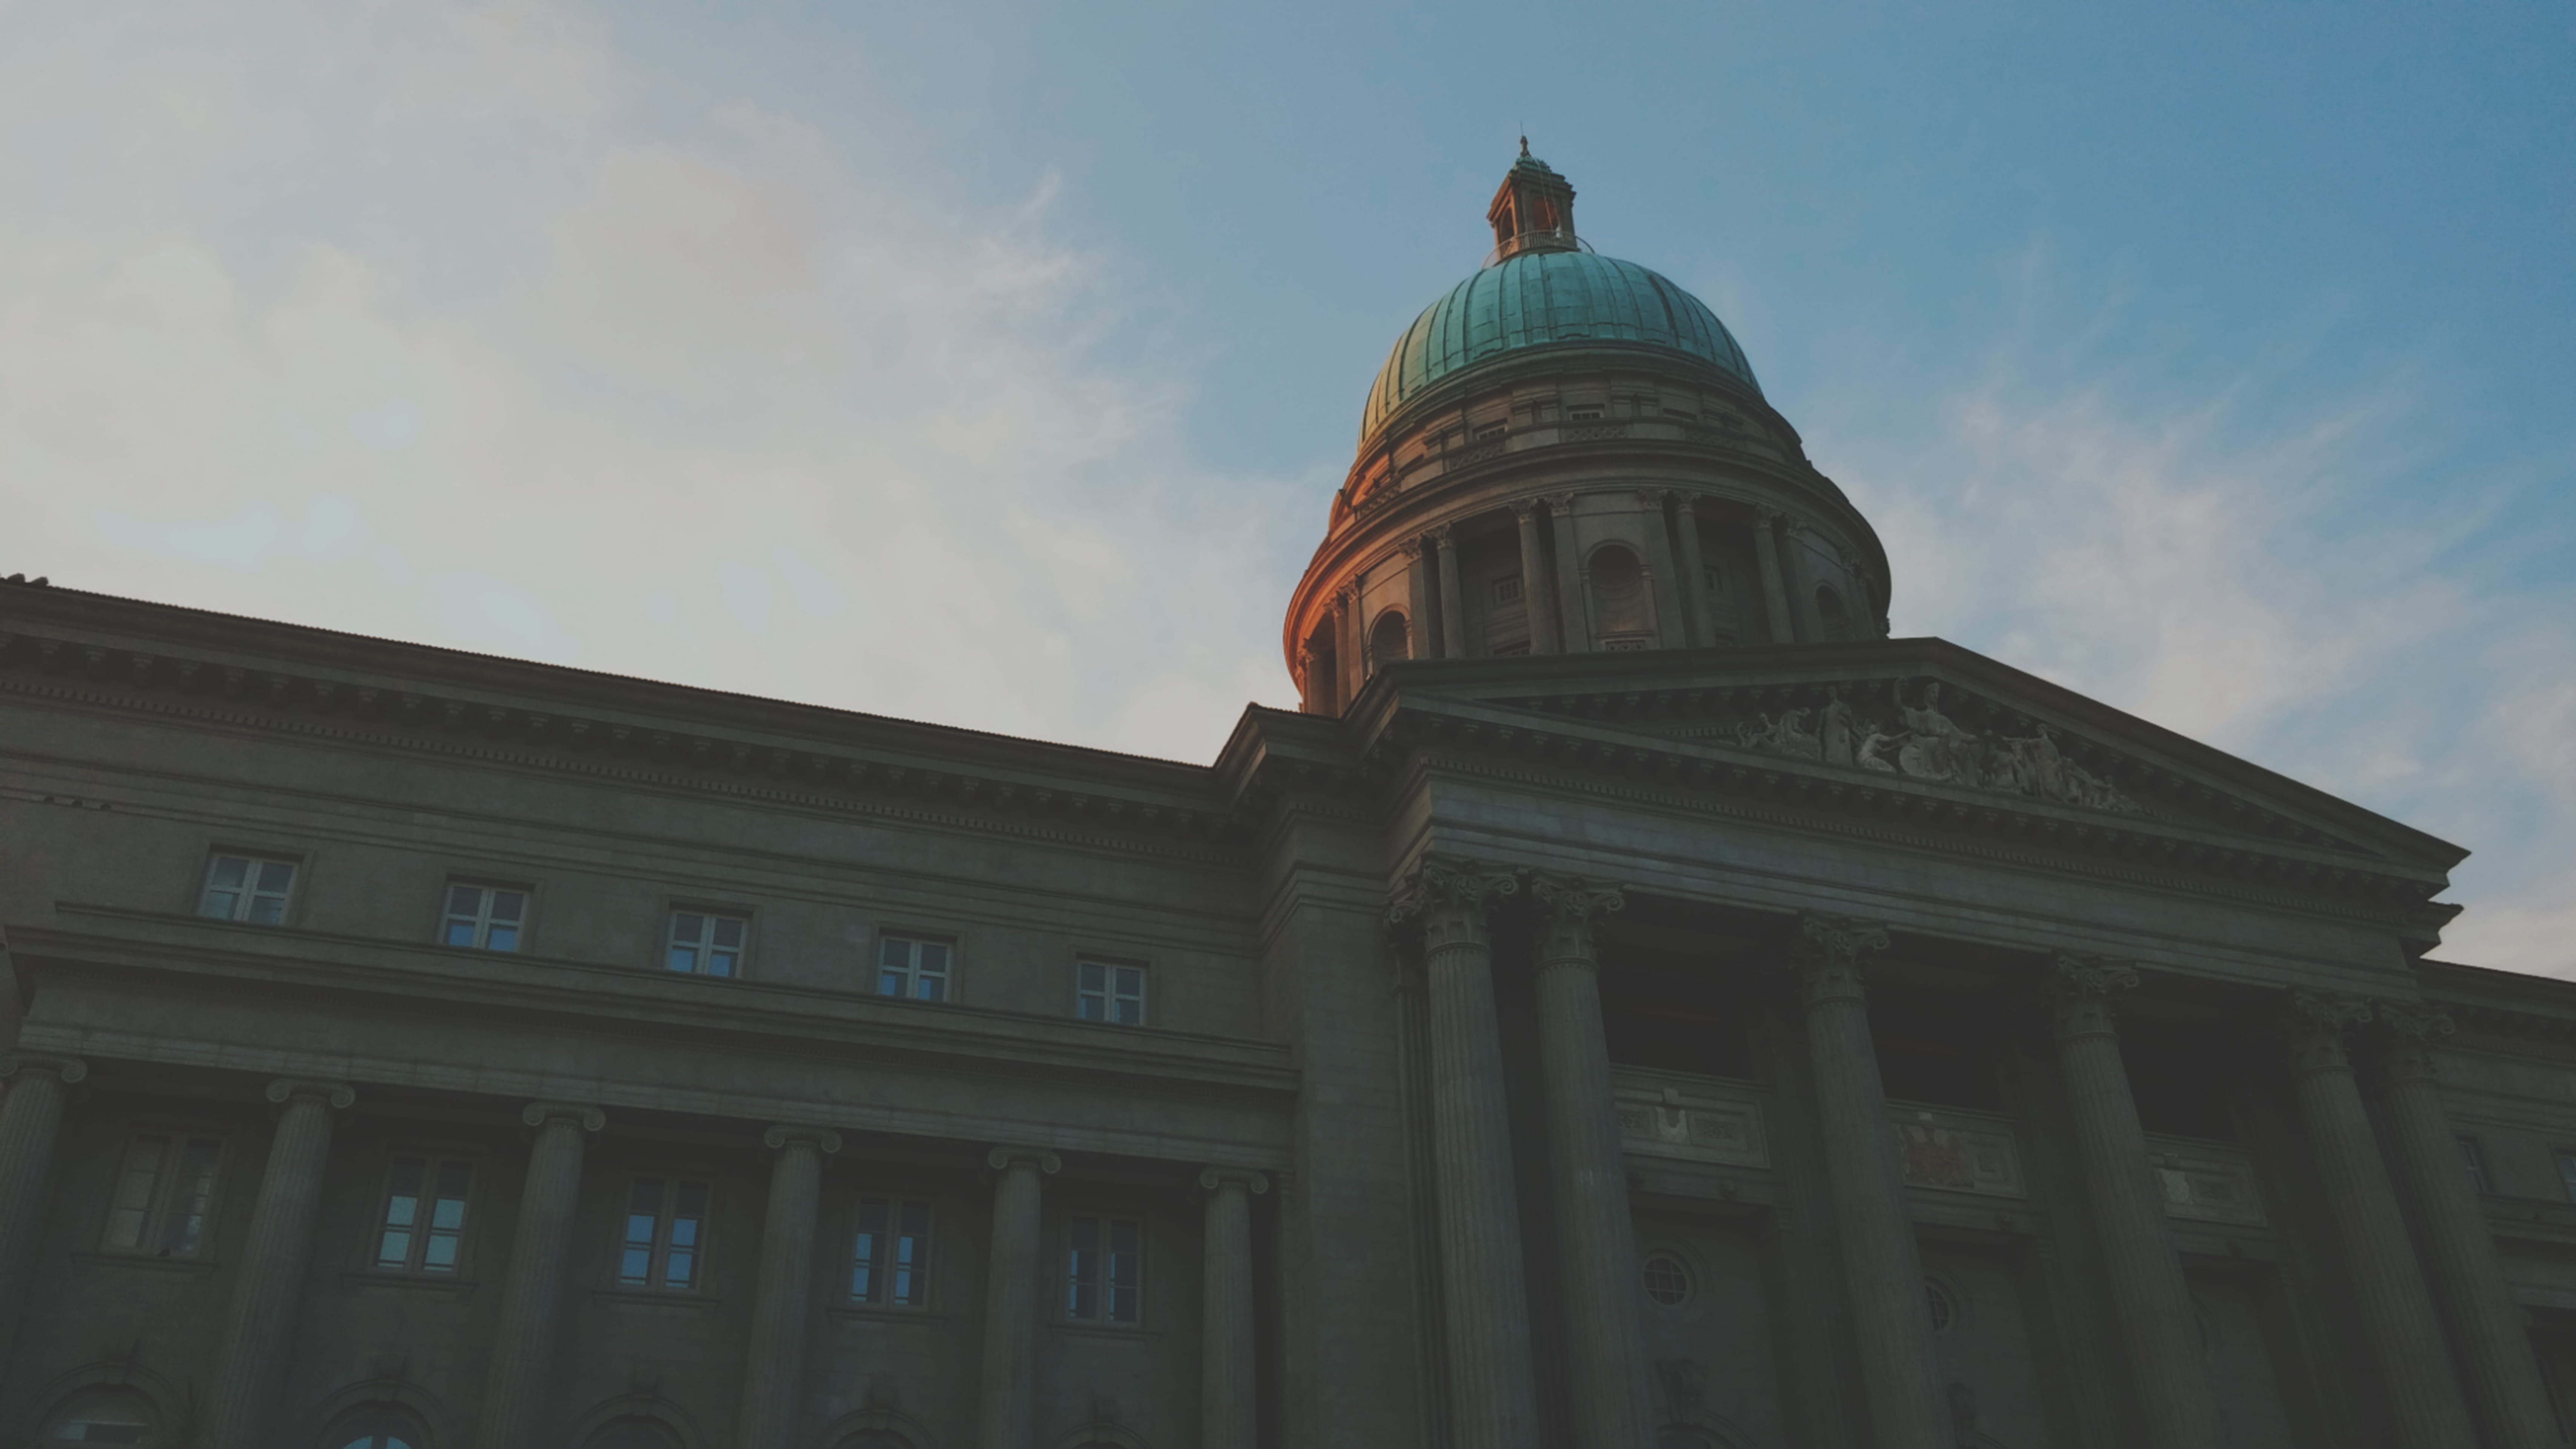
1541 299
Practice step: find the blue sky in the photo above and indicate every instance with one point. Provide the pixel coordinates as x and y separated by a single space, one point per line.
992 363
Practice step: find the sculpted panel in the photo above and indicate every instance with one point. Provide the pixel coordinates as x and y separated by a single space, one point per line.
1913 737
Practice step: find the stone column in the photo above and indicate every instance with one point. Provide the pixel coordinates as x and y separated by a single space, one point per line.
773 1375
1693 582
2487 1326
2176 1405
1351 652
1900 1378
1229 1416
1453 595
1011 1300
1538 599
1484 1299
1419 639
1798 579
30 1120
523 1342
1775 595
1575 632
259 1321
1596 1237
2396 1313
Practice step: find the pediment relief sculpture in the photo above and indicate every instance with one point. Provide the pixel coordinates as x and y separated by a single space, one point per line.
1916 739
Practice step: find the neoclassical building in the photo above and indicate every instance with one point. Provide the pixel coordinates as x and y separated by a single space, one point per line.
1636 1003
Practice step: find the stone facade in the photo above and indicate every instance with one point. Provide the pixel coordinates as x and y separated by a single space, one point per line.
1673 1019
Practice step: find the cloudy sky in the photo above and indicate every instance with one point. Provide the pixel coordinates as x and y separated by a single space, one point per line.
993 363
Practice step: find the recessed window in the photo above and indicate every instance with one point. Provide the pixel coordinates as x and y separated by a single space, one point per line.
376 1429
1712 580
1507 590
1584 413
1941 1304
666 1228
164 1202
487 918
247 888
1110 991
890 1253
423 1224
1491 431
706 944
913 967
1105 1270
106 1416
2475 1163
1667 1280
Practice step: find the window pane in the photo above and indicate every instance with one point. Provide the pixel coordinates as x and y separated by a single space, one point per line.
689 928
231 873
447 1218
895 954
729 933
459 933
721 963
931 988
934 956
1083 1269
274 876
1129 1011
508 905
684 958
643 1224
1131 981
192 1197
912 1255
867 1254
132 1203
503 938
890 983
402 1213
1126 1270
267 910
464 900
1095 977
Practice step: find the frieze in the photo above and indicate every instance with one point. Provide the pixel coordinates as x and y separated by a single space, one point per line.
1913 736
1956 1154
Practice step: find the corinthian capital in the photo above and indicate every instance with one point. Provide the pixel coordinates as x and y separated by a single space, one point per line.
2412 1029
2317 1022
1448 893
1831 954
1571 909
2085 985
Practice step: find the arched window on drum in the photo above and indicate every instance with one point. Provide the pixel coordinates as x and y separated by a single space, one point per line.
1622 617
1831 613
104 1416
1389 639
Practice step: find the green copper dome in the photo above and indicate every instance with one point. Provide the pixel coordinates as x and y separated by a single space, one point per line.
1547 299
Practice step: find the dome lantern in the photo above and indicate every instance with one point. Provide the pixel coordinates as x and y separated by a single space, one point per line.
1532 211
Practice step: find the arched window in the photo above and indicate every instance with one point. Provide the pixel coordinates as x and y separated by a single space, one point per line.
1830 610
640 1434
1619 599
378 1426
1388 640
105 1416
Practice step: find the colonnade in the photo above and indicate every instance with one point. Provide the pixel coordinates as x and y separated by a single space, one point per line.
270 1280
1450 908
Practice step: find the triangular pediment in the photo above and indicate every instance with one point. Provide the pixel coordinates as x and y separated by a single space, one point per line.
1920 727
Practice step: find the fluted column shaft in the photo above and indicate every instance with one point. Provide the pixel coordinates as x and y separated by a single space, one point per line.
773 1375
523 1341
1229 1414
259 1321
1350 661
1010 1300
1597 1247
1574 634
1693 583
1453 596
2177 1407
1882 1268
1538 596
30 1120
1420 642
1775 593
2396 1311
2506 1396
1483 1294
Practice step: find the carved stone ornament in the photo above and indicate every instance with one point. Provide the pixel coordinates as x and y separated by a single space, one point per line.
2080 975
1444 886
2317 1023
1572 908
1212 1178
1685 1385
67 1070
1920 741
336 1094
581 1114
2412 1029
825 1140
1830 961
1001 1158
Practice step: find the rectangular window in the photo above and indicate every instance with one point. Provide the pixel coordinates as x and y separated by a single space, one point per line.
1491 431
2476 1165
890 1253
488 918
164 1201
706 945
1109 991
1105 1270
666 1228
1713 581
910 966
1584 413
1507 590
424 1219
247 888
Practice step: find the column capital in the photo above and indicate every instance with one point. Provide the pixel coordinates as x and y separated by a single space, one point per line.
1524 509
1411 547
332 1094
1561 504
2084 986
824 1139
1448 894
1004 1158
1830 953
1685 500
1442 535
2316 1023
2411 1028
1570 908
1215 1178
580 1114
66 1070
1766 515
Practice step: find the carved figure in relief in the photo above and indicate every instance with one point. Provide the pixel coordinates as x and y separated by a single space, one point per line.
1873 751
1835 729
1787 735
1939 749
1933 746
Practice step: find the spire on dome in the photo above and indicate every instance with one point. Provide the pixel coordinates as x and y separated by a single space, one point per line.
1533 210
